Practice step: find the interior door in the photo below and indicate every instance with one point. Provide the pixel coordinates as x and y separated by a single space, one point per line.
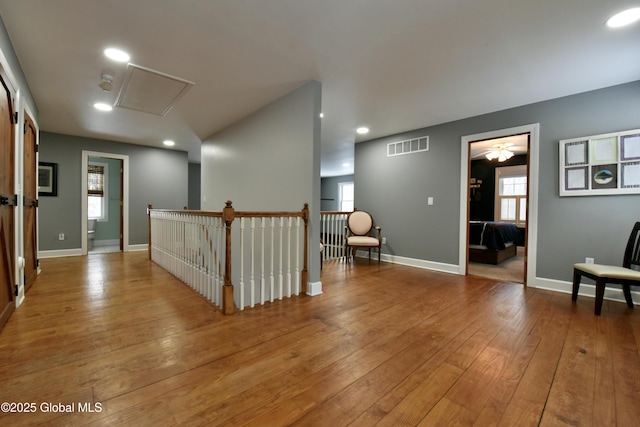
30 203
7 200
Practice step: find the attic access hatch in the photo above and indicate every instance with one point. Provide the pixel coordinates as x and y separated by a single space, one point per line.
150 91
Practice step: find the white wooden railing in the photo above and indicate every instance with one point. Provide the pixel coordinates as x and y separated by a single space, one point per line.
333 233
269 252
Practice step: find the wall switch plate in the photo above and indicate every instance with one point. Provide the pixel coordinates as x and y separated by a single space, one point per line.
589 260
430 201
384 240
61 236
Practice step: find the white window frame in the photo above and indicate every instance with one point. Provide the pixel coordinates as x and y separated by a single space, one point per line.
105 198
511 172
341 199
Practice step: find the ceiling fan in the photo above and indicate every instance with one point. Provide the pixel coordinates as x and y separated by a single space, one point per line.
502 152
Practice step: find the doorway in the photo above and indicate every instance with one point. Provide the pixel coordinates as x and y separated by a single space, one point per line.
104 202
498 175
531 203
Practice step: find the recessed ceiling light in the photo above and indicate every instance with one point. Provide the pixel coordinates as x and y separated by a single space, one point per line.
623 18
102 106
117 54
169 143
321 115
362 130
346 165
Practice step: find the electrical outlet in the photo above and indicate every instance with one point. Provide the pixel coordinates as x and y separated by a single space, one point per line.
61 236
589 260
384 240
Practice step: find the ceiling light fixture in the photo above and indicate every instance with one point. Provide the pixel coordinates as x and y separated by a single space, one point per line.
102 106
362 130
500 152
169 143
117 54
626 17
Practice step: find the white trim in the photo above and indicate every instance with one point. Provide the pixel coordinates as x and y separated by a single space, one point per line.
411 262
125 196
58 253
532 217
139 247
587 290
106 242
314 288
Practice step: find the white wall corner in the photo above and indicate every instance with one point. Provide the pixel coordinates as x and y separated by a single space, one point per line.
314 288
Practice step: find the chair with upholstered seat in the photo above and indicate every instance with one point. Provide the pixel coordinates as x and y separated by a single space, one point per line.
359 228
627 275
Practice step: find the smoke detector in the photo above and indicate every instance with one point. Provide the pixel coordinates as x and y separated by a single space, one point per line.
107 82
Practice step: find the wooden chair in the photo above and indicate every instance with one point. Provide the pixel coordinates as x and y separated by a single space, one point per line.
359 228
627 275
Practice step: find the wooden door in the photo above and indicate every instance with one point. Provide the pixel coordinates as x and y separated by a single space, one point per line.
7 200
30 203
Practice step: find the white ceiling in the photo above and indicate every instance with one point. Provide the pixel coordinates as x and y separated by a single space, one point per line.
390 65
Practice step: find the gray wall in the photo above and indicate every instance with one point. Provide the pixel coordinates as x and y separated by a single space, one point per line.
395 189
157 176
194 186
330 193
269 161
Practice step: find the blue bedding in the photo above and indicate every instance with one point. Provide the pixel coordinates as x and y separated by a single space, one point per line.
493 235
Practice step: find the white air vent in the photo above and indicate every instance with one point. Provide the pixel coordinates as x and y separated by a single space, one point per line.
408 146
150 91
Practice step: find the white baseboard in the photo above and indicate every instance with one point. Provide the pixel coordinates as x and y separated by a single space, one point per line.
586 289
135 248
314 288
411 262
59 253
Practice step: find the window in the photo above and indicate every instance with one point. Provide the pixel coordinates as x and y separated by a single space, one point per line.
511 195
97 174
346 197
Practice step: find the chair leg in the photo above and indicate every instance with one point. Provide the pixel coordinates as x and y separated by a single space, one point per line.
369 254
576 284
378 255
626 289
599 296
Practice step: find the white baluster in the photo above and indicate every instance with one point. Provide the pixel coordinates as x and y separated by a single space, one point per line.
271 270
241 287
289 222
280 277
262 283
253 251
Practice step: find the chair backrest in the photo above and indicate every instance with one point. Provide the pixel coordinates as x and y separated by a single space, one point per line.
632 253
360 222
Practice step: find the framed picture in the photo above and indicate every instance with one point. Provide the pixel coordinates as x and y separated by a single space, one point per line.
600 165
47 179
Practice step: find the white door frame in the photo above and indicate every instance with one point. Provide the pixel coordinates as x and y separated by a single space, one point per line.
125 196
532 220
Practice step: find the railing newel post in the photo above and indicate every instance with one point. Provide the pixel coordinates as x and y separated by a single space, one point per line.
228 214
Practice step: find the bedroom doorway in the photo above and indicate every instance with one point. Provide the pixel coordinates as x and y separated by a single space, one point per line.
496 215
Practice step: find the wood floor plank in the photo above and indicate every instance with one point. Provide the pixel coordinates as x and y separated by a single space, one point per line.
383 345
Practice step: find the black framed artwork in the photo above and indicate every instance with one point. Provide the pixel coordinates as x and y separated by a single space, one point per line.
47 179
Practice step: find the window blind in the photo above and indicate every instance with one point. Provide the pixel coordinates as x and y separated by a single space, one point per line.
95 181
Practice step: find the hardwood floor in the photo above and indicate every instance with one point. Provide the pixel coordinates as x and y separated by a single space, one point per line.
384 345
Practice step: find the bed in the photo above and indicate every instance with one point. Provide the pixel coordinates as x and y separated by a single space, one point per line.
492 242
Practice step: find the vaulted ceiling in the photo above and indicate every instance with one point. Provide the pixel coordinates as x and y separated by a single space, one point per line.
389 65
